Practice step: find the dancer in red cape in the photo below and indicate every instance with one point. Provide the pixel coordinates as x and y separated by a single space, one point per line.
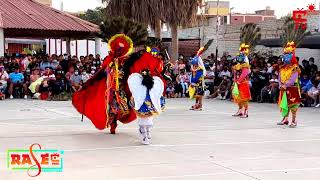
104 99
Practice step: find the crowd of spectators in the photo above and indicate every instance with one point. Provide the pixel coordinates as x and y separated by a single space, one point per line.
264 84
45 77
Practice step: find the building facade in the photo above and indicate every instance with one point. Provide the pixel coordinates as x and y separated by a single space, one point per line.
258 16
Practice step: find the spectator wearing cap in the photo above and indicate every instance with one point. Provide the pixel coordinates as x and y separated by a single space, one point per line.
44 64
17 80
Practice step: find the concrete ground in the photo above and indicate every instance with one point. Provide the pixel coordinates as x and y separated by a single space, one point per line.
185 144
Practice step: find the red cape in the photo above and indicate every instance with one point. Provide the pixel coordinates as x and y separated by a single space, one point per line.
90 100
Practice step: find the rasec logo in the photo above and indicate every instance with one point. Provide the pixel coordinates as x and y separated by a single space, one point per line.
35 161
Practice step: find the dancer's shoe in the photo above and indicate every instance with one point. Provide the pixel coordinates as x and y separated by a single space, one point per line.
293 124
283 122
145 141
239 113
245 114
113 127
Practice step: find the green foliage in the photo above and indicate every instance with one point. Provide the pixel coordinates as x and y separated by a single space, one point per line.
136 31
250 34
95 16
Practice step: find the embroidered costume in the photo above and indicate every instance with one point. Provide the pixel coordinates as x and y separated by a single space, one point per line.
147 86
289 97
198 71
104 98
241 87
124 89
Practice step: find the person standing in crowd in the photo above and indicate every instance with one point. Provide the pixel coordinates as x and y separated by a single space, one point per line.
183 81
289 99
241 88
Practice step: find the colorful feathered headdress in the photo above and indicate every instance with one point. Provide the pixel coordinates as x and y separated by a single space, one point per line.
289 56
197 59
290 47
244 48
120 45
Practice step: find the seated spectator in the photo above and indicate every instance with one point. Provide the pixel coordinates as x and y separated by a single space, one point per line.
170 91
183 80
314 91
222 91
54 64
209 79
84 75
26 61
44 90
44 64
33 64
304 80
70 72
225 72
313 67
270 91
36 81
14 64
3 80
17 80
76 81
59 85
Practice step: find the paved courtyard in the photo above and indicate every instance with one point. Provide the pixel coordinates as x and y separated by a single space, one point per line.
186 144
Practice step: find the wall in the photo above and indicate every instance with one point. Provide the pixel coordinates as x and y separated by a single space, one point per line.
82 47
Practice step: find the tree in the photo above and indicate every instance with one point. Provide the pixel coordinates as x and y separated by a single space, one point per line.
250 35
144 11
178 13
152 12
136 31
291 33
95 16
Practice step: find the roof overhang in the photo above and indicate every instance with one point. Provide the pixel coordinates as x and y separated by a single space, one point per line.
310 42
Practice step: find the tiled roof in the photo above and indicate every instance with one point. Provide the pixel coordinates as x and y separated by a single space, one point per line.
28 14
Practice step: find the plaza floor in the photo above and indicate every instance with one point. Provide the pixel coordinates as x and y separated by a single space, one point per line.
210 144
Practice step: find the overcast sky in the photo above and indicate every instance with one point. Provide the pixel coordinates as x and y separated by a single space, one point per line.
282 7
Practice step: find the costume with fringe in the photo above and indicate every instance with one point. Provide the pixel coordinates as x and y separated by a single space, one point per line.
241 87
198 72
289 97
104 98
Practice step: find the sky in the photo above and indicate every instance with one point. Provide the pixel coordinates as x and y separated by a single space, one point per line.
282 7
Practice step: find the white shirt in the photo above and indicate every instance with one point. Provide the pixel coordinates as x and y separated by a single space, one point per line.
3 77
225 73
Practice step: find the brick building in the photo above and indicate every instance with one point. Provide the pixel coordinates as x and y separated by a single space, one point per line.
258 16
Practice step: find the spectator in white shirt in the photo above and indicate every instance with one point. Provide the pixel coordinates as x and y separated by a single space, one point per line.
225 72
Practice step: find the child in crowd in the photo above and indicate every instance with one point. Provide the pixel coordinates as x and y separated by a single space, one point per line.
183 81
170 91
